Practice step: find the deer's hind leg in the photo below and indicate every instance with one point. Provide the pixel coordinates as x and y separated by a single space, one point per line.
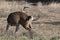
7 27
17 27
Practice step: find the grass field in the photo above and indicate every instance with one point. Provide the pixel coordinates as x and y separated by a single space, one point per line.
46 28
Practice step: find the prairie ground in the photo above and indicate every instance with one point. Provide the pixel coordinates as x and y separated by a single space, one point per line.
46 28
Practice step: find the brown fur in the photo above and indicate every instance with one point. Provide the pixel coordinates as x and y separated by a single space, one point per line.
17 18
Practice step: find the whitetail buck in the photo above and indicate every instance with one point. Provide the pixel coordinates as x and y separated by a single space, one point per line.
19 18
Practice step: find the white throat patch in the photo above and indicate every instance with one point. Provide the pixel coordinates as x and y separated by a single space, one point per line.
32 18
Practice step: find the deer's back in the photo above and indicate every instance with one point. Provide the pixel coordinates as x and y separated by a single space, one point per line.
15 17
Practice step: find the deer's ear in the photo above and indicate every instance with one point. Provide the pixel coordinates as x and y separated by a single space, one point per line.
29 17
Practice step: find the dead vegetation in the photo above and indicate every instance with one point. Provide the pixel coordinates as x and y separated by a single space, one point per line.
46 28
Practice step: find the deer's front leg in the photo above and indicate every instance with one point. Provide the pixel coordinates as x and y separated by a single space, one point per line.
28 27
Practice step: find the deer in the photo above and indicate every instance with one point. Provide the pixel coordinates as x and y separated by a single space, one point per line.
19 18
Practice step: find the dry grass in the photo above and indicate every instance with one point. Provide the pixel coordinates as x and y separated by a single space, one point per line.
46 28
